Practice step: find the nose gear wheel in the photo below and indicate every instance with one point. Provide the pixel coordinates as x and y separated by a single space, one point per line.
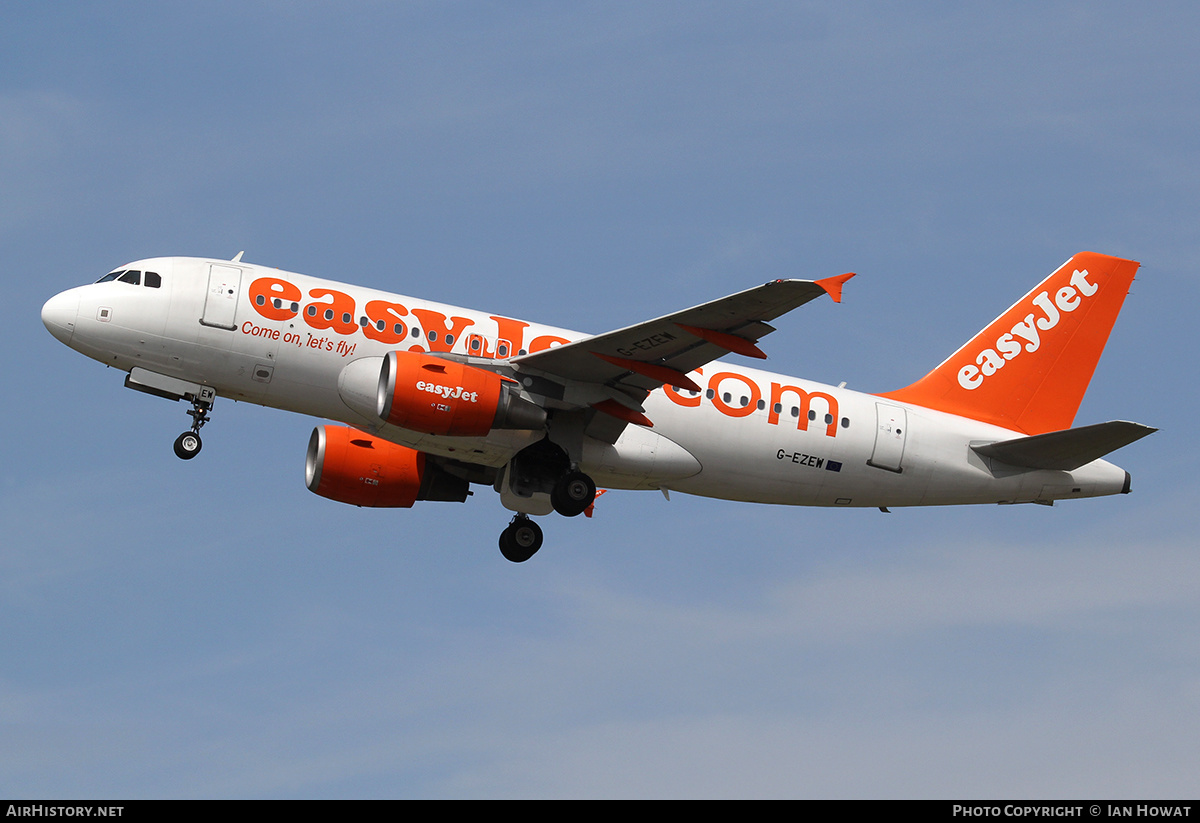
188 444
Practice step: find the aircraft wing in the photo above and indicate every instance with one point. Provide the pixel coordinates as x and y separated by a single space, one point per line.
683 341
638 359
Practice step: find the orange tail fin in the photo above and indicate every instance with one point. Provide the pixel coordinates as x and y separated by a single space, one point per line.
1030 368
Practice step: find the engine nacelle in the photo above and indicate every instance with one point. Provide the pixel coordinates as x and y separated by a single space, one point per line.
353 467
435 396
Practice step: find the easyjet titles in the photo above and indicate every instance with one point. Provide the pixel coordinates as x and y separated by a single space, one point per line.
392 323
449 392
1025 336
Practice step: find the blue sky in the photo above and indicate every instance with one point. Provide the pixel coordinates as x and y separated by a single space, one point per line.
212 629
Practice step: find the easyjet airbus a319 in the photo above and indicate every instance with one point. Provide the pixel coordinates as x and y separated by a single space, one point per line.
433 398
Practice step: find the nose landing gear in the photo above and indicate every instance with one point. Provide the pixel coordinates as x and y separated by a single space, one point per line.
188 444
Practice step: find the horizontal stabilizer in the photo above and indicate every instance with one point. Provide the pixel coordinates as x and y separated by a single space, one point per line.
1066 450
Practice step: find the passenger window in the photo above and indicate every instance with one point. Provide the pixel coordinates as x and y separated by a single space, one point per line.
153 281
132 277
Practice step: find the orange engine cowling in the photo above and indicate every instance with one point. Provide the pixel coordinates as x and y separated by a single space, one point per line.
353 467
436 396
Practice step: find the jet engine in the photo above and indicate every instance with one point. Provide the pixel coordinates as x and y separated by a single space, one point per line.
436 396
351 466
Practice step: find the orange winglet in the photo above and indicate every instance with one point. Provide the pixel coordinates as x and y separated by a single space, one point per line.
663 374
592 506
615 409
731 342
833 285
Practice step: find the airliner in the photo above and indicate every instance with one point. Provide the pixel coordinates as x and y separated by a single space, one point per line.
428 399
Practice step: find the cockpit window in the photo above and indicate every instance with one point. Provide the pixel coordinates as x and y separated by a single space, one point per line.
153 279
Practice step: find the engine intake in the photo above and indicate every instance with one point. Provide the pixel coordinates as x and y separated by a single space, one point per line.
435 396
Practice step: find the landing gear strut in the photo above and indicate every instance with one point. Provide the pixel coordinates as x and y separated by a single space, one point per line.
188 444
521 540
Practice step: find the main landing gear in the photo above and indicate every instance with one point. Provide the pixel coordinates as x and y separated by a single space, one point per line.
570 496
188 444
521 540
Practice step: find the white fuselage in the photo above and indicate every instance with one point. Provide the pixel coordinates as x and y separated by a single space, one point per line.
314 346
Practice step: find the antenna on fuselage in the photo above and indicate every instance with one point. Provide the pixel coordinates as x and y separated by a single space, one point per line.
237 258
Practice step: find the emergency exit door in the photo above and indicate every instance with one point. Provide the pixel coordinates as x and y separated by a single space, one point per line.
891 426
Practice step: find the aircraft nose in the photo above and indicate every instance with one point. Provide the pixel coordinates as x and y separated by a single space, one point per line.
59 313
